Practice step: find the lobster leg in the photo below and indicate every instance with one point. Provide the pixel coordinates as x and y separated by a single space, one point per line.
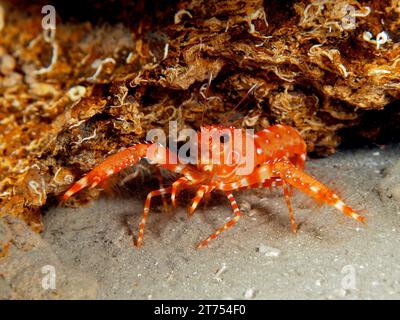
227 225
160 179
286 193
174 193
146 212
199 195
312 187
183 180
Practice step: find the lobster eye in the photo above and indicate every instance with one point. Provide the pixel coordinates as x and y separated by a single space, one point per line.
224 138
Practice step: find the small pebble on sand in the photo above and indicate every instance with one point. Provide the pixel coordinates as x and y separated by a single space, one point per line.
249 294
269 251
252 212
245 206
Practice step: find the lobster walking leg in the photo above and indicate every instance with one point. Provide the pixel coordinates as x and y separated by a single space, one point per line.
174 193
227 225
286 193
199 195
160 179
146 212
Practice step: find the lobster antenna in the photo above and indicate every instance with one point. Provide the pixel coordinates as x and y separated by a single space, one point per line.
225 120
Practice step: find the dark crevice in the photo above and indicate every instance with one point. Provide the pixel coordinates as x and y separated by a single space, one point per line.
377 127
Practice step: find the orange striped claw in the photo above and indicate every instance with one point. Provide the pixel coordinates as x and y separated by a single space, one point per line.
312 187
278 155
109 167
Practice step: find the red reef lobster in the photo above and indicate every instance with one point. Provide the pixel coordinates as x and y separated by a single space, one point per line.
277 157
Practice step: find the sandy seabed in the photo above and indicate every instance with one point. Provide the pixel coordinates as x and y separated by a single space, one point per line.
331 256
